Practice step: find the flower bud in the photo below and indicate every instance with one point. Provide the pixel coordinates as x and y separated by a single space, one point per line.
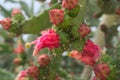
22 75
33 71
69 4
20 48
6 23
16 11
102 71
44 60
17 61
56 16
84 30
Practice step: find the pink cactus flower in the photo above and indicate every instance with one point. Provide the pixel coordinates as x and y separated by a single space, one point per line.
89 55
49 39
56 16
91 49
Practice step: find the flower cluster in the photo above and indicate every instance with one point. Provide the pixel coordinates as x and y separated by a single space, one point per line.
89 55
34 71
12 24
51 40
7 22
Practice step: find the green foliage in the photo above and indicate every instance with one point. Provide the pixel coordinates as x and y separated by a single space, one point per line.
80 18
6 75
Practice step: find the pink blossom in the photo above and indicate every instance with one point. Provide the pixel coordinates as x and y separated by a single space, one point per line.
16 11
69 4
56 16
91 49
49 39
6 23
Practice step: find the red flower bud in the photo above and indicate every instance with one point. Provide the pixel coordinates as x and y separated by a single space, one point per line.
56 16
16 11
6 23
102 71
69 4
17 61
33 71
44 60
84 30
